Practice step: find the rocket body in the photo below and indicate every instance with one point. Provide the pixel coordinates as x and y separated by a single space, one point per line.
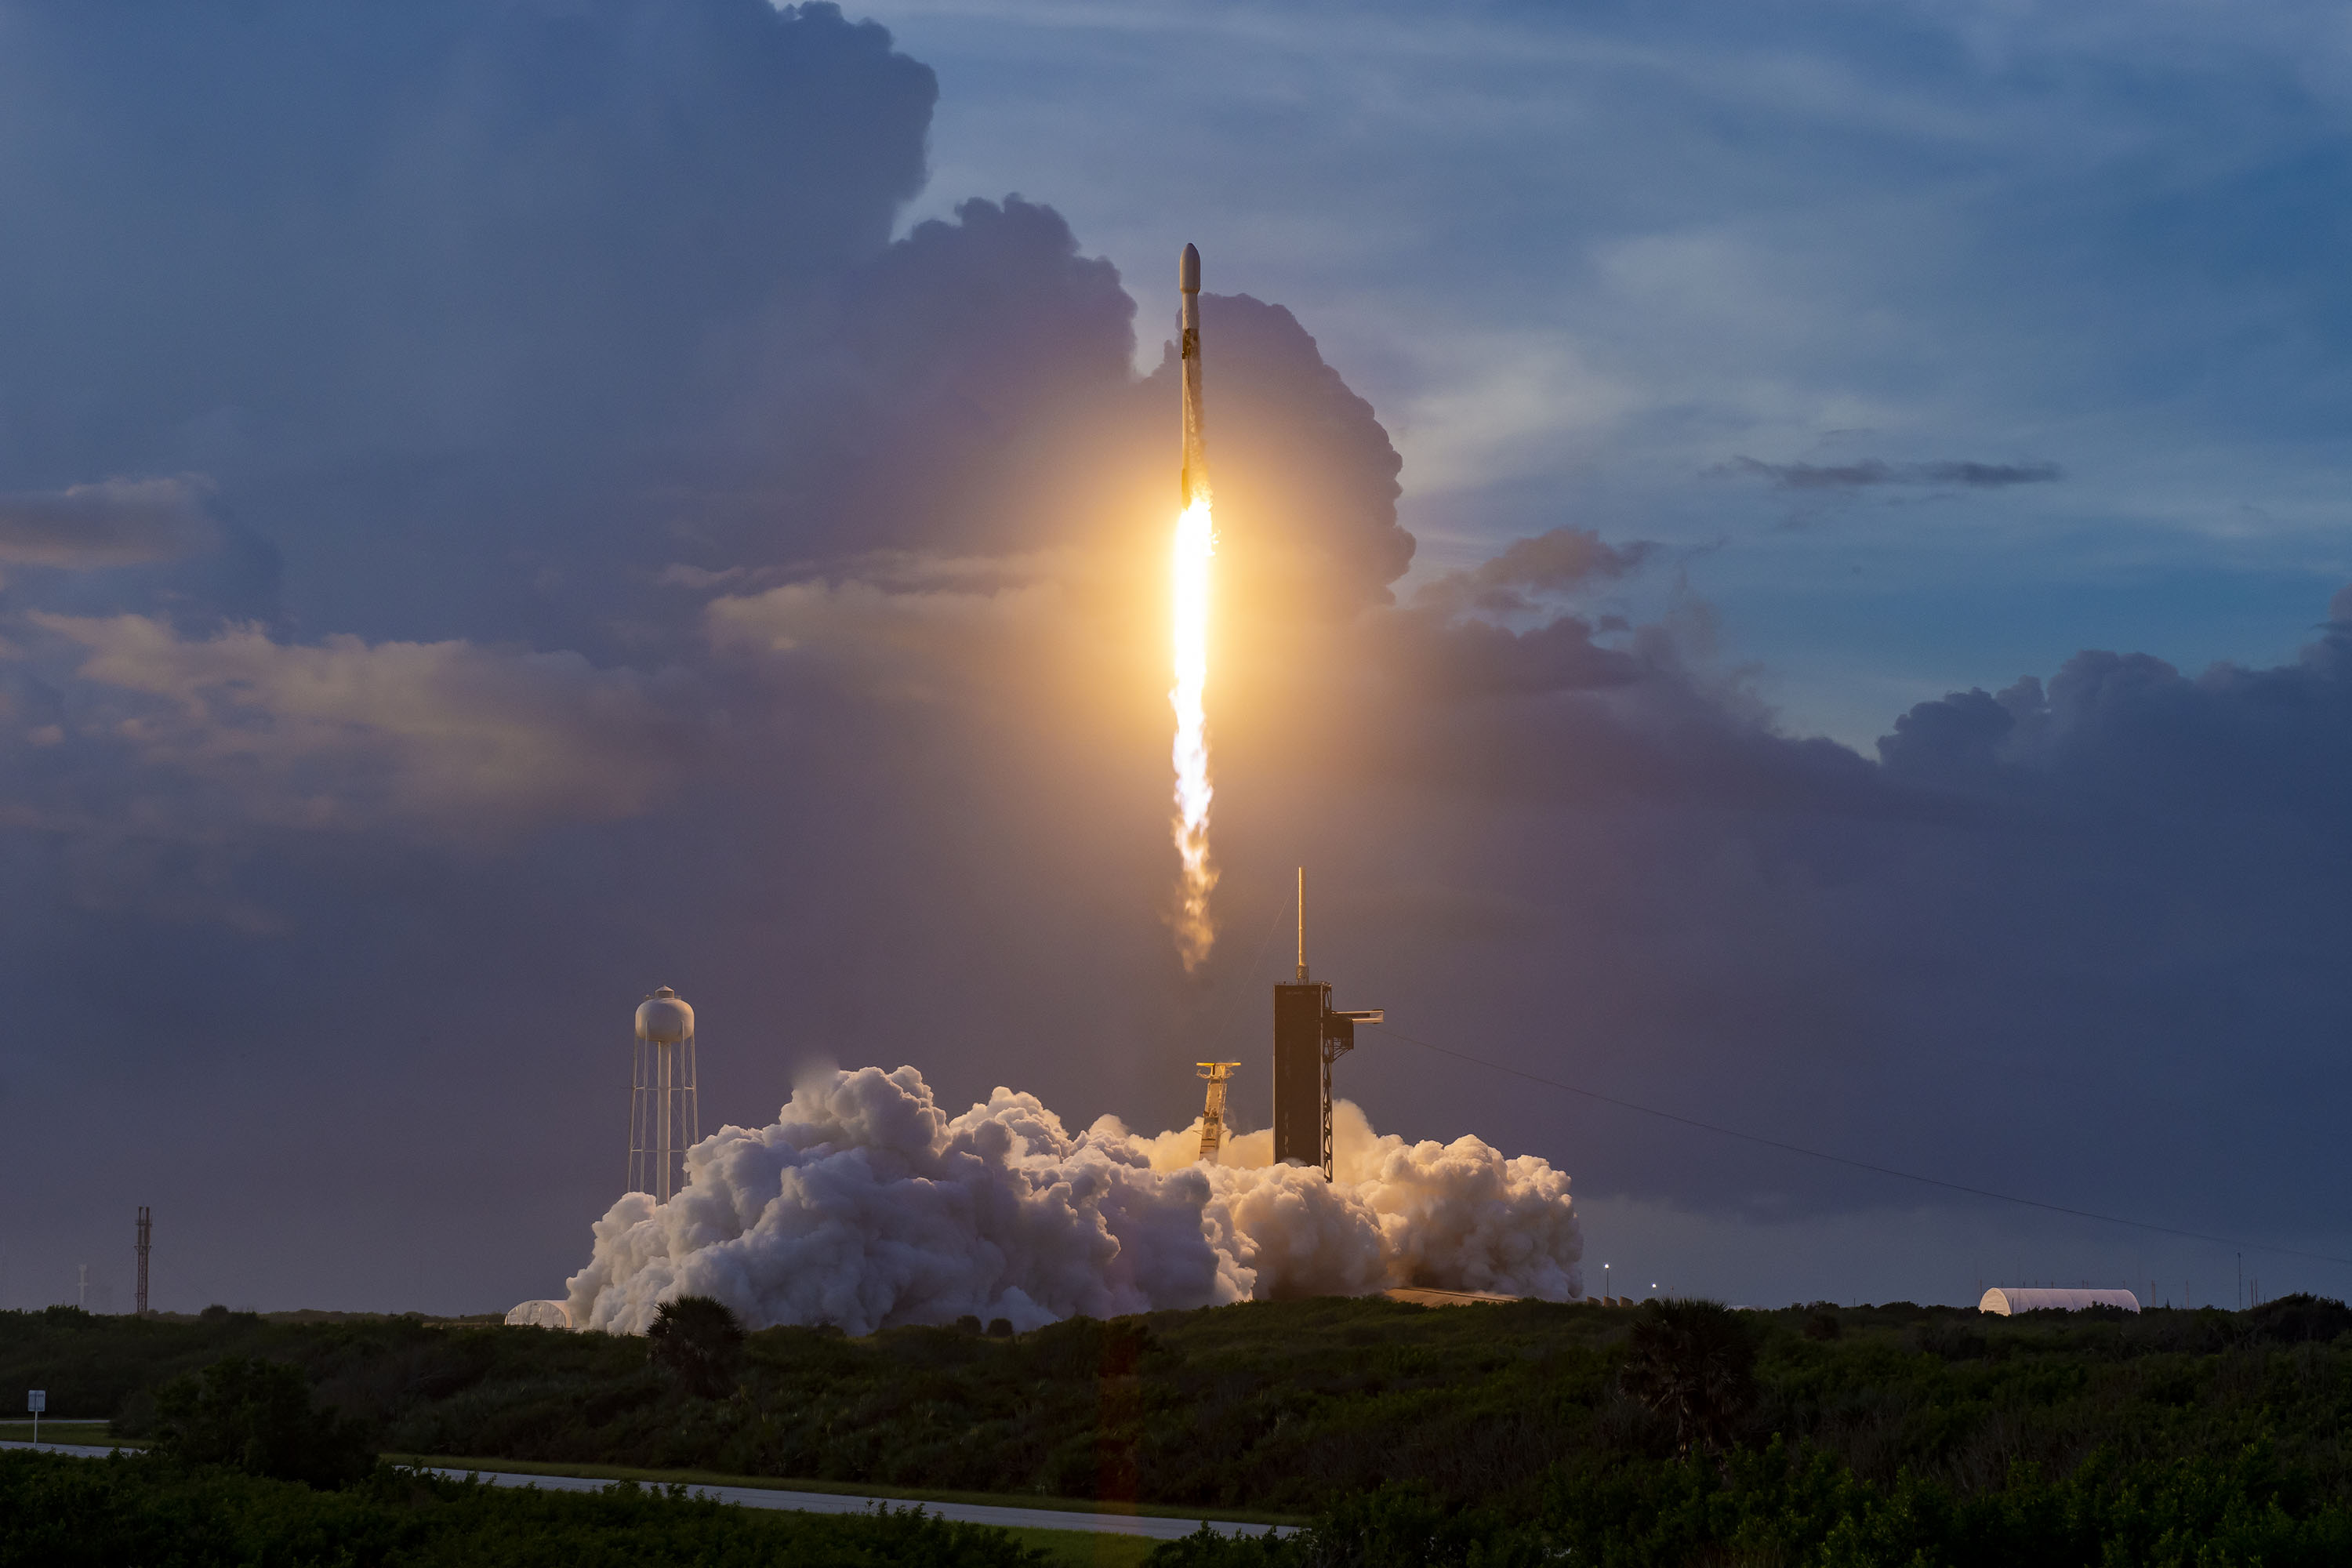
1195 472
1192 547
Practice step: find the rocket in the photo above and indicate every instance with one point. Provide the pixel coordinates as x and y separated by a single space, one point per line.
1195 476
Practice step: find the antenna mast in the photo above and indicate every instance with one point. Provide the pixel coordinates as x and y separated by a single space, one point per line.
146 1229
1302 925
1309 1037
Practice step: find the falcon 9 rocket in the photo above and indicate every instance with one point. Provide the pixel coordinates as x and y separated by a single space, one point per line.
1195 546
1195 472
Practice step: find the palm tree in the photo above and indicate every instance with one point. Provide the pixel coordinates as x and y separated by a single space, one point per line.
697 1338
1692 1362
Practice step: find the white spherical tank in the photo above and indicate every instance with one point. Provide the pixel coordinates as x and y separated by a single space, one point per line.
664 1019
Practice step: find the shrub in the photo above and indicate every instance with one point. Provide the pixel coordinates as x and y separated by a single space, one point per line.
59 1512
2300 1318
255 1417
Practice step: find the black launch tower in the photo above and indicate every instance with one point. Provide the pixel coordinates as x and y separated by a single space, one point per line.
1309 1037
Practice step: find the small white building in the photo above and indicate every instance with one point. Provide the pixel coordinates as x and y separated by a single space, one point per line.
2011 1299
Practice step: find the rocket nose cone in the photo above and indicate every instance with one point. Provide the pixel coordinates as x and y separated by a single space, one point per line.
1188 272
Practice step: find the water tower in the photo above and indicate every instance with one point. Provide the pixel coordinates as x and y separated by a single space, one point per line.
664 1121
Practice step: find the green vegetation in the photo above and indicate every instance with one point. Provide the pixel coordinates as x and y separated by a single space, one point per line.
256 1416
123 1512
1494 1435
97 1433
698 1339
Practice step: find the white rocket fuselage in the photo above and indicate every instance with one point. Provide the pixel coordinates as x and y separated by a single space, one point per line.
1195 473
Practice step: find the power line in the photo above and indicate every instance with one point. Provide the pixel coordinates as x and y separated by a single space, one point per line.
1860 1164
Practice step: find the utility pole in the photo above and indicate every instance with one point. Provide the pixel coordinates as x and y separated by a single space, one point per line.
145 1229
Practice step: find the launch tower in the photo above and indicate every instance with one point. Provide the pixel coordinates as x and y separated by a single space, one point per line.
1309 1037
664 1119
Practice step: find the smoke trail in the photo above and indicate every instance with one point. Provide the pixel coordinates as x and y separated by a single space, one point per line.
1195 548
866 1205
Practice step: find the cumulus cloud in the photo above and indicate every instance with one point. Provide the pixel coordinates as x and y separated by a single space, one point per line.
114 522
1479 659
346 735
1529 570
910 646
865 1204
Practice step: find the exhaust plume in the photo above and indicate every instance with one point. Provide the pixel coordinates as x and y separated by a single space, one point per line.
1195 548
866 1206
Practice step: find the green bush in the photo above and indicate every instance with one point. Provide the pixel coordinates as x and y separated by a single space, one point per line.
256 1416
59 1512
1510 1429
1773 1507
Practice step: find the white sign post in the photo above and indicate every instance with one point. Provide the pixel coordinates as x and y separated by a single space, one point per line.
36 1400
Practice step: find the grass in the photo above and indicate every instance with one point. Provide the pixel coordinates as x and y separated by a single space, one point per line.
843 1488
1087 1548
91 1432
1066 1548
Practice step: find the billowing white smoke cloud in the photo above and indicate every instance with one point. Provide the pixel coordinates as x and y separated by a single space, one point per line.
866 1205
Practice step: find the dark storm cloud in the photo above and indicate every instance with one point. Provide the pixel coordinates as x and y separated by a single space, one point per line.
2050 920
456 301
1871 472
433 224
1479 658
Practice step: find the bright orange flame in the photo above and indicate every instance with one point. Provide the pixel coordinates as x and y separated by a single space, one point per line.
1196 545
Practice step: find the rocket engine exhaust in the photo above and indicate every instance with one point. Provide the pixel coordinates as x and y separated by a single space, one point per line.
1194 548
867 1205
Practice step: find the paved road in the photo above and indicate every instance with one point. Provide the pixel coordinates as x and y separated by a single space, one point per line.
1148 1525
1152 1526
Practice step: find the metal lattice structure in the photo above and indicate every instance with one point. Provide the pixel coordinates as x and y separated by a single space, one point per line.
146 1233
665 1119
1212 1114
